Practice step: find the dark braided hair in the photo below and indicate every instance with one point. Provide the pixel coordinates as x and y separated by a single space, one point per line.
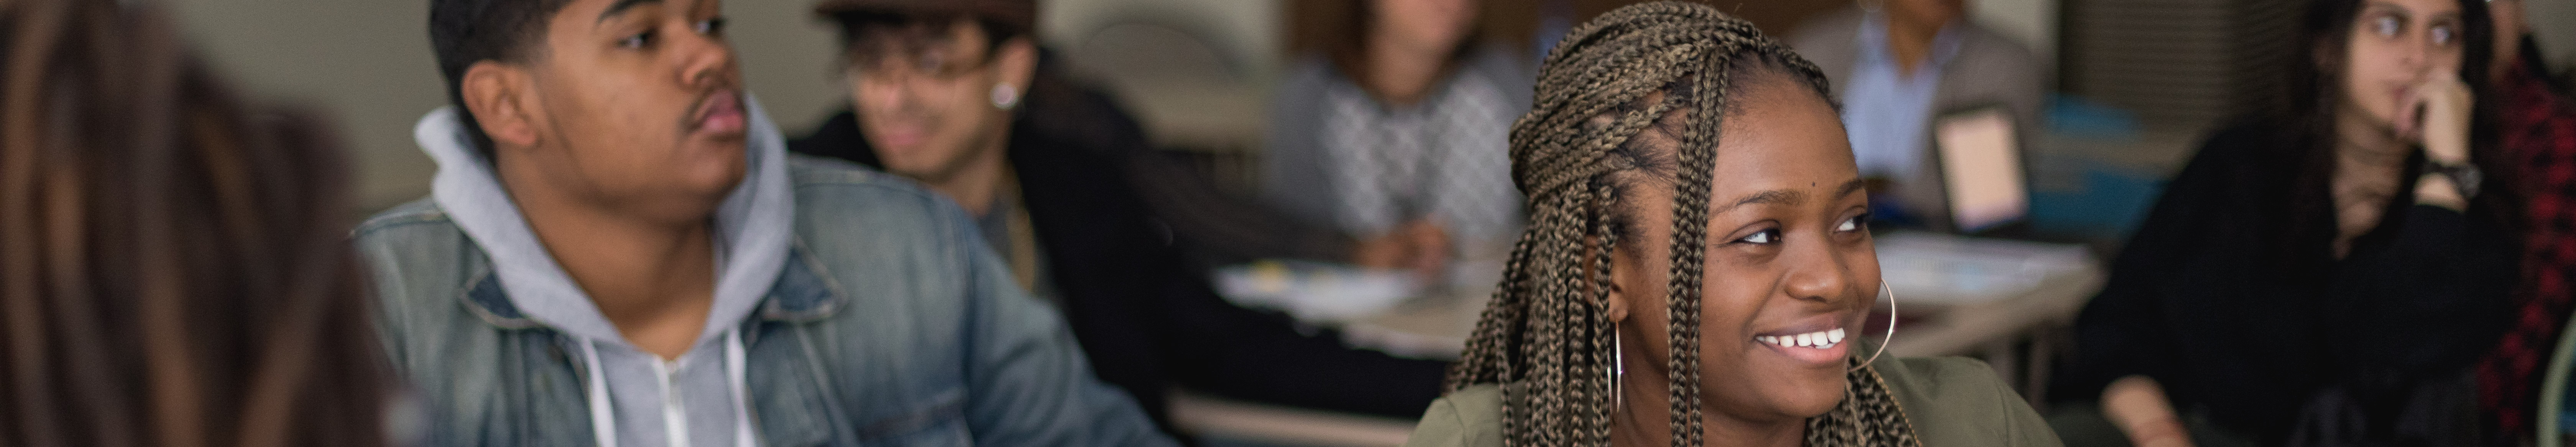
173 266
1546 337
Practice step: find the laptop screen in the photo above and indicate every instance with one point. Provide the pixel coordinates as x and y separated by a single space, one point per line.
1982 168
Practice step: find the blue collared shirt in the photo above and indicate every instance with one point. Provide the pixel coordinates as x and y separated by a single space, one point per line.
1885 109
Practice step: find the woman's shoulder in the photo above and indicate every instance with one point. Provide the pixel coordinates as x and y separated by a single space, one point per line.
1957 401
2251 144
1939 374
1468 417
2251 156
1950 401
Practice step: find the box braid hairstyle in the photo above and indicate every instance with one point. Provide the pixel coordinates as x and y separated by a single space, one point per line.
174 266
1546 337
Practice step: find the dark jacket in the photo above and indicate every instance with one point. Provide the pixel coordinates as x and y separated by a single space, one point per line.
2230 296
1147 320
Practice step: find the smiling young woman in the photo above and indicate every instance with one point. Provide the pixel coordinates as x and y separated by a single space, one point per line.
1669 292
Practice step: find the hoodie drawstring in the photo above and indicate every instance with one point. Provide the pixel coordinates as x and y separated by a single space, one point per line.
603 422
603 419
734 362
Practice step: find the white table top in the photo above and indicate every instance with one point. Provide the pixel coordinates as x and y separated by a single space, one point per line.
1247 421
1437 327
1962 328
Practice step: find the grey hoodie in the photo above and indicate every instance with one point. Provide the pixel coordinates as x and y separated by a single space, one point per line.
696 400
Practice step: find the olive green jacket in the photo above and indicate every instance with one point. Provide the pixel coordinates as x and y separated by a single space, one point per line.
1951 401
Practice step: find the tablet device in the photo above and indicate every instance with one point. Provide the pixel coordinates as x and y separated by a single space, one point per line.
1981 168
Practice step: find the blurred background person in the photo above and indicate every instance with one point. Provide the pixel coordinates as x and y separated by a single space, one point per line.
2324 277
1395 133
173 268
1900 65
958 95
2536 133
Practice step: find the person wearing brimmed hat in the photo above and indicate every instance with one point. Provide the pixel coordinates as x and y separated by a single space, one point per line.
957 95
618 250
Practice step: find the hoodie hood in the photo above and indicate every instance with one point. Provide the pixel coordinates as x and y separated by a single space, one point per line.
633 395
752 230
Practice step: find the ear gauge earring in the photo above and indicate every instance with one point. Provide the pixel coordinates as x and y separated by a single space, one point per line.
1005 96
1891 327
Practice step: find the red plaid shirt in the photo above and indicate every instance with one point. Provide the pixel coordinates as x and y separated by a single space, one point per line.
2538 133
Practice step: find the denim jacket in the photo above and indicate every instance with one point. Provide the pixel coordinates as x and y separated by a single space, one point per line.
891 325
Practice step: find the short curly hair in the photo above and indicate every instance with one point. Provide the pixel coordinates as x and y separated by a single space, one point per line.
463 32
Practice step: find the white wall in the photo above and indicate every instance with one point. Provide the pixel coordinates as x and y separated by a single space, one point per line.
368 64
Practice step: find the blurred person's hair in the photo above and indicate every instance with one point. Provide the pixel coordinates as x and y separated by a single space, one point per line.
173 266
1546 338
2305 120
463 32
1339 31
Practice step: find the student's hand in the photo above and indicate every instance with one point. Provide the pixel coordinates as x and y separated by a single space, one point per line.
2138 406
1431 249
1420 246
2436 115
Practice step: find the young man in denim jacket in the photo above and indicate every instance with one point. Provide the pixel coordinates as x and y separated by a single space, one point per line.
619 251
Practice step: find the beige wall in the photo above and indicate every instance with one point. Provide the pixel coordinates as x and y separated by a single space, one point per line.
368 63
1248 30
2553 23
2032 22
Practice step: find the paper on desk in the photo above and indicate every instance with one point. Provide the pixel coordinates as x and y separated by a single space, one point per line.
1947 269
1313 291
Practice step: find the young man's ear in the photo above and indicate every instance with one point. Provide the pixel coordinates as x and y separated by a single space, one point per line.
1017 60
498 96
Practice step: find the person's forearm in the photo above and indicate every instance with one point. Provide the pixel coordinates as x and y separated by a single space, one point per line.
2438 190
2137 405
2444 103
